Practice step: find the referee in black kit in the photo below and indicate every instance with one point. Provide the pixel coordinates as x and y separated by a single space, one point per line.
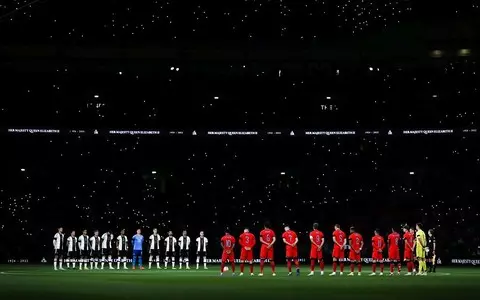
431 251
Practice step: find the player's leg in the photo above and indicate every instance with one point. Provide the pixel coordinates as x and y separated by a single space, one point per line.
382 266
119 259
110 261
359 266
243 258
251 266
434 263
140 259
157 260
374 266
150 260
223 262
173 260
74 259
166 259
103 259
342 261
295 260
198 260
67 259
180 259
205 260
289 264
232 262
55 260
134 259
334 266
60 261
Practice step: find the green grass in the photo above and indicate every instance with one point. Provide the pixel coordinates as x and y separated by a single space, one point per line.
41 282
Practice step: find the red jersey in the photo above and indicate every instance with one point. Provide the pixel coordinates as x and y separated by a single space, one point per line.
339 238
247 239
393 240
317 237
267 235
409 240
290 236
356 240
378 243
228 242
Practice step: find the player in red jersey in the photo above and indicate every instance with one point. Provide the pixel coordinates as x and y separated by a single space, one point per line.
393 241
378 244
409 243
267 239
316 250
356 245
228 244
290 239
339 243
246 241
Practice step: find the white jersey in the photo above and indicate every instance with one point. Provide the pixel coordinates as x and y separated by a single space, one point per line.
184 242
72 244
155 240
107 241
202 243
170 243
58 241
95 243
122 243
83 243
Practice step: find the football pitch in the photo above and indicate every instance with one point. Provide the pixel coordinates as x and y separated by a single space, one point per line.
41 282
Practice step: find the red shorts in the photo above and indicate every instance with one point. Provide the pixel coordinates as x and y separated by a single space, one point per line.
315 253
408 255
246 255
266 253
291 252
226 256
353 256
338 253
377 255
394 254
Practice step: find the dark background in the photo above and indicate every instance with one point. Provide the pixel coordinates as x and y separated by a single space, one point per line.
250 65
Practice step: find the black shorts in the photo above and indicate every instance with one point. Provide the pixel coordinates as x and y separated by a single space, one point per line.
95 254
72 254
122 253
184 253
107 252
170 254
58 252
154 252
84 253
201 253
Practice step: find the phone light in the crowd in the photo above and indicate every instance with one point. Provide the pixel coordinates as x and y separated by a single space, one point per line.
412 173
282 173
216 97
95 96
464 52
154 172
437 53
371 69
328 97
23 170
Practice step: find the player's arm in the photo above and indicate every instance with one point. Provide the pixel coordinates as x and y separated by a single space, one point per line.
335 242
54 240
254 241
285 241
344 244
313 242
274 239
322 243
383 245
434 244
361 245
295 243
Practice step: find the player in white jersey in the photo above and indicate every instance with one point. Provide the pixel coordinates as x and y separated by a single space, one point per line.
155 242
95 245
170 243
58 249
202 243
84 247
72 250
107 249
184 245
122 250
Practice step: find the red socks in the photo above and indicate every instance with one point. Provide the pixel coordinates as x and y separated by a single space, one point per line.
352 267
342 266
251 268
262 264
322 265
289 265
391 268
381 267
272 264
242 267
374 267
359 268
334 266
312 265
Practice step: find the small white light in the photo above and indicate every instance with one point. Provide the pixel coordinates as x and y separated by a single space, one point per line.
328 97
23 170
154 172
216 98
120 73
172 68
96 96
435 96
412 173
282 173
371 69
177 69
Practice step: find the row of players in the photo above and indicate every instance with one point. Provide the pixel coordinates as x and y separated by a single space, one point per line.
413 242
95 249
